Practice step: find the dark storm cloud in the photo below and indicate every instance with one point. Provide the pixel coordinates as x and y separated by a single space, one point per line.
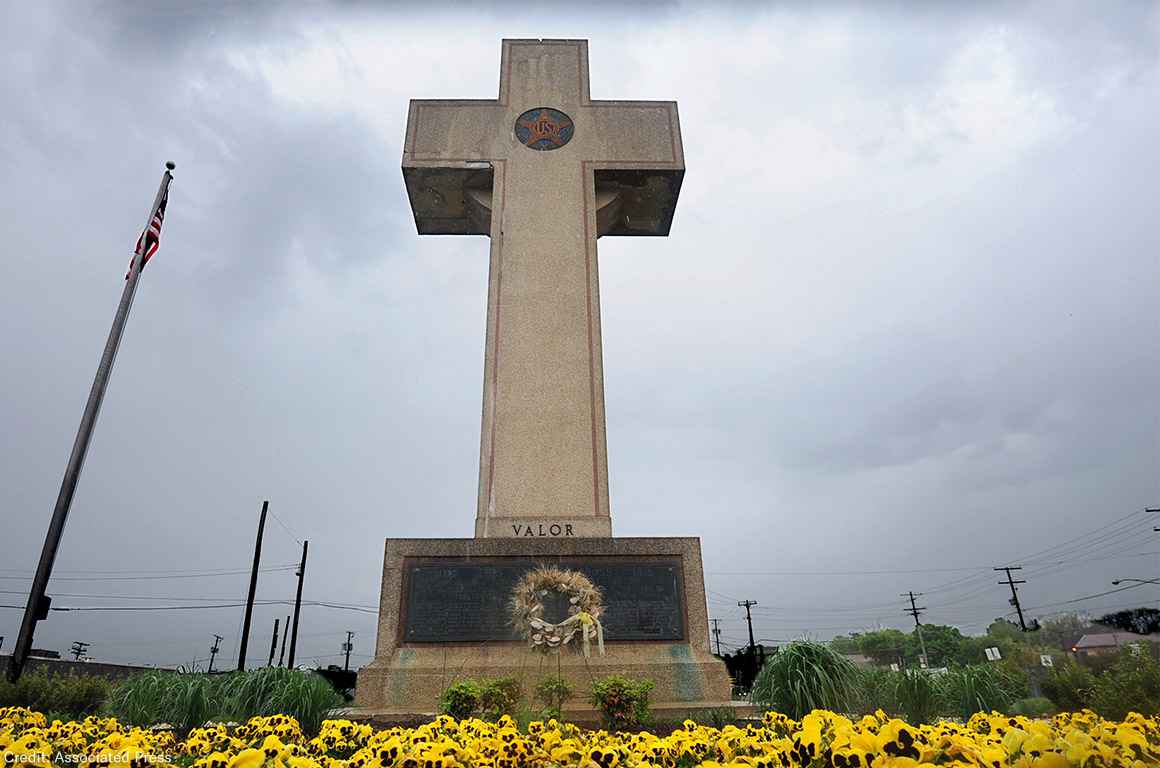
903 321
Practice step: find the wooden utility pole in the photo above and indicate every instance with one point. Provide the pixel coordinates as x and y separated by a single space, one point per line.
213 651
1014 592
273 644
915 611
347 647
253 588
297 606
747 604
285 632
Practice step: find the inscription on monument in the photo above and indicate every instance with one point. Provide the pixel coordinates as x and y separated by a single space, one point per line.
542 529
460 600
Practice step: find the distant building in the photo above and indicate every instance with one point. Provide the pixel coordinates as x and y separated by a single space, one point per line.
1108 643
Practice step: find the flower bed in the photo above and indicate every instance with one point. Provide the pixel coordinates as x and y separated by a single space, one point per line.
820 739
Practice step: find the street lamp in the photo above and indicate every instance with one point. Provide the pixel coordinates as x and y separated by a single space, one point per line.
1117 582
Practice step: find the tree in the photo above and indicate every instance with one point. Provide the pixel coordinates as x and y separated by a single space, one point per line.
846 644
1062 632
942 643
884 646
1006 630
1141 621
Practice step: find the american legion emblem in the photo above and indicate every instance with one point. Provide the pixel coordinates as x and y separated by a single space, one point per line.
544 128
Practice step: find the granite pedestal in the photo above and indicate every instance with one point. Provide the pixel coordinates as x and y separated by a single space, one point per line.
408 675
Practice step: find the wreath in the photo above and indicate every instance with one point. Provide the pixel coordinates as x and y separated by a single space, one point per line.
584 610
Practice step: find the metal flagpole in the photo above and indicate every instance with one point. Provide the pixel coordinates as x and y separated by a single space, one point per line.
38 602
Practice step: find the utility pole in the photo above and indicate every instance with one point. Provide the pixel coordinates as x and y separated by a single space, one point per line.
915 611
747 604
1014 592
282 652
273 644
244 645
297 606
78 649
717 633
38 602
347 647
213 651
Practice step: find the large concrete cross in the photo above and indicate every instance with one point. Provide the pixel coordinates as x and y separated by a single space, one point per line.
543 170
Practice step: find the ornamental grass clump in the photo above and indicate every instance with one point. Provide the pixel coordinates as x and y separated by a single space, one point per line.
966 690
804 676
916 695
188 701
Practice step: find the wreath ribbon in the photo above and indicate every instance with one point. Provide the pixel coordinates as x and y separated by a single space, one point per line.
589 627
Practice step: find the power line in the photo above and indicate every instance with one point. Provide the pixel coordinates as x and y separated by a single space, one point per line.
157 578
1087 597
137 571
980 570
317 604
286 528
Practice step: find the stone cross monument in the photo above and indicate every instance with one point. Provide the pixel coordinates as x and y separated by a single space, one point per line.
543 170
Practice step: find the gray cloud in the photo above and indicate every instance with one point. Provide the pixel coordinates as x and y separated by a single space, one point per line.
903 321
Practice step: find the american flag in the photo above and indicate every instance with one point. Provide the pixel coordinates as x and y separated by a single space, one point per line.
151 238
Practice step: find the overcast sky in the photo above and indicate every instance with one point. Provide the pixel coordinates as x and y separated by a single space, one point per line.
906 320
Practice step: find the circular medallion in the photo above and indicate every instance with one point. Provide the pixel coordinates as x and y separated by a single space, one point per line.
544 128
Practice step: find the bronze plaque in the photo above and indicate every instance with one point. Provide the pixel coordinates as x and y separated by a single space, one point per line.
456 600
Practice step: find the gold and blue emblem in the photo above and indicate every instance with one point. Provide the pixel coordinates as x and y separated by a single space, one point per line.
544 128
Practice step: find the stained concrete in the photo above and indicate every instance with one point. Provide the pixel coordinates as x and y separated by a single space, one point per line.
407 678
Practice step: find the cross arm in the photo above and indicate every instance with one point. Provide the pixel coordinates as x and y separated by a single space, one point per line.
639 166
447 158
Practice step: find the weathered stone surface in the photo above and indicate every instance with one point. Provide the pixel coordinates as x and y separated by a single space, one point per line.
408 677
543 457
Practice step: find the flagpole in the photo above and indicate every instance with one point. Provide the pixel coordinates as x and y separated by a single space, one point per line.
38 602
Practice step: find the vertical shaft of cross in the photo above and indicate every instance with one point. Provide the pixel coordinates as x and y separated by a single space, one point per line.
525 170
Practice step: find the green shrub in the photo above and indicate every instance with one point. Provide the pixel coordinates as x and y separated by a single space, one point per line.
977 688
623 702
73 695
552 693
1069 686
460 700
1132 684
188 701
498 697
805 676
1034 707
